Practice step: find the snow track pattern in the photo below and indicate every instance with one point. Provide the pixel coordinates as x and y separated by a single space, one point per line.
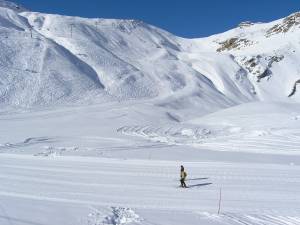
282 141
154 186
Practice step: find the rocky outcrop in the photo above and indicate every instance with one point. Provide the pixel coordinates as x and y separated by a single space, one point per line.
294 88
259 66
286 25
233 43
245 24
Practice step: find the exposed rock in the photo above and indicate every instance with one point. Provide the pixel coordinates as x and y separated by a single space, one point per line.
234 43
245 24
259 66
294 88
127 26
266 73
273 59
287 23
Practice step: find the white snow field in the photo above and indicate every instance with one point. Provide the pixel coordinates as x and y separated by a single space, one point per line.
97 115
77 190
74 165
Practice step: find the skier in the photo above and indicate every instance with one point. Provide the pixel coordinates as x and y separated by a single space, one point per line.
183 175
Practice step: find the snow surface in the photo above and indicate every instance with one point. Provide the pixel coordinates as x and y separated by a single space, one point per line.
70 59
12 5
97 115
74 165
76 190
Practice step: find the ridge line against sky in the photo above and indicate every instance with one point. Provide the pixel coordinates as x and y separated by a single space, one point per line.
185 18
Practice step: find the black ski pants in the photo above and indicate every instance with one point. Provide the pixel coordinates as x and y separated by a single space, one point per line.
182 183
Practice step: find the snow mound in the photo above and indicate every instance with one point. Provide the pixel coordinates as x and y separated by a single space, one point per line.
122 216
119 216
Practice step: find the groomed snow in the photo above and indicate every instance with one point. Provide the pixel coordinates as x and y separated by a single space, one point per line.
75 166
76 190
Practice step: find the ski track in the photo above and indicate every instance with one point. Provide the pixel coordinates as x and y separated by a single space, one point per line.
253 219
153 185
286 143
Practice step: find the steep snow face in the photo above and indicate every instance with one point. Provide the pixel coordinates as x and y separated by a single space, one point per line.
136 60
12 5
77 58
131 58
268 52
38 77
37 71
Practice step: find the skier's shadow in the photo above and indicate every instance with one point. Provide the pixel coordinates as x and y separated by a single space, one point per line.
201 178
199 185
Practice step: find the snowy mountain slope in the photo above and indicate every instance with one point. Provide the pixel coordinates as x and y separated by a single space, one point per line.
129 59
268 52
12 6
37 71
133 60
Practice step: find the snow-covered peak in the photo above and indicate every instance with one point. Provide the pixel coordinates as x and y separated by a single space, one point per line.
12 5
49 59
249 36
285 25
245 24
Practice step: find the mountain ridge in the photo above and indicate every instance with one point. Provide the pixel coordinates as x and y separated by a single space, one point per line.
12 5
129 59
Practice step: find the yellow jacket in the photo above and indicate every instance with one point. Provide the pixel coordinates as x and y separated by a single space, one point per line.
183 175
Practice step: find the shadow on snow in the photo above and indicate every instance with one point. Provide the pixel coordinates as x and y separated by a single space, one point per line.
199 185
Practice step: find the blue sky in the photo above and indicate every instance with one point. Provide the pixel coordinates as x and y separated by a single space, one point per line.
186 18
